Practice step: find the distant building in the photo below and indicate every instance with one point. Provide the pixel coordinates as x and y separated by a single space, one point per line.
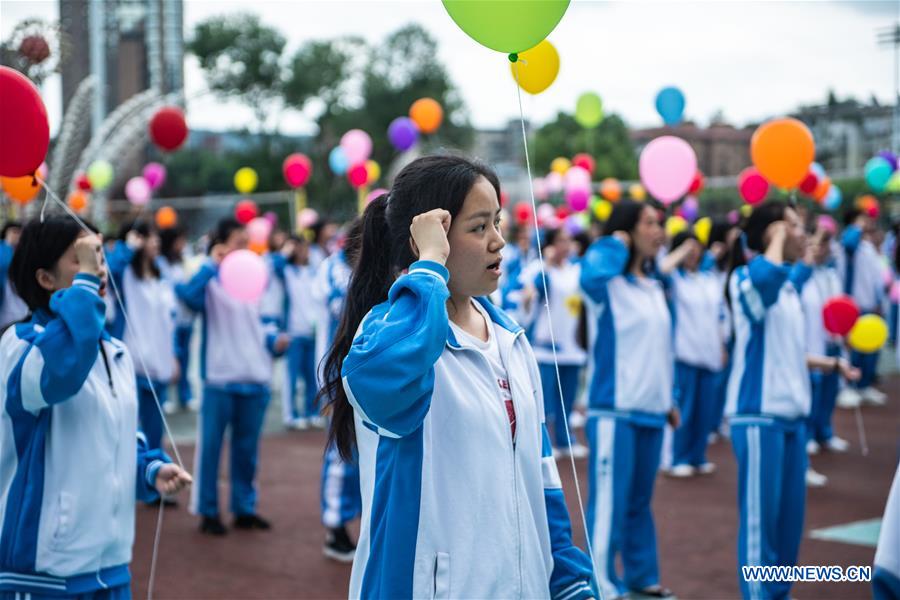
502 149
848 132
722 150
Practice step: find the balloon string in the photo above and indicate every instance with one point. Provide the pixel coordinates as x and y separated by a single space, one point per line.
565 416
862 431
168 431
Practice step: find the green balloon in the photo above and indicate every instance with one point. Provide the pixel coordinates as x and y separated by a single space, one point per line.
893 184
100 174
589 110
507 25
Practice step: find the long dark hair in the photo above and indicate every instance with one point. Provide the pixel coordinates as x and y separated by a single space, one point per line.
719 233
752 236
41 246
625 217
167 246
137 261
425 184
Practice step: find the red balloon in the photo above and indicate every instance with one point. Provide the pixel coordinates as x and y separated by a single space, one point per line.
752 185
523 213
809 184
697 184
562 212
24 130
358 175
168 129
83 182
839 315
585 161
245 211
35 48
504 199
297 169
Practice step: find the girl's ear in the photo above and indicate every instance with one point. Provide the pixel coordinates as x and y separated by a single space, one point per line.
413 247
46 279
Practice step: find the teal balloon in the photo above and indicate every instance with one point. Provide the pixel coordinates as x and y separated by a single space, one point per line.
670 105
833 198
589 110
878 172
507 25
337 161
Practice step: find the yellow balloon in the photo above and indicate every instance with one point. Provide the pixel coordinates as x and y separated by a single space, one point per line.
702 229
675 225
560 165
245 180
869 334
637 192
536 68
603 209
746 210
374 171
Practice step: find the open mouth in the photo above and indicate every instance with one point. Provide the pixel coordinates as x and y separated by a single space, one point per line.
495 267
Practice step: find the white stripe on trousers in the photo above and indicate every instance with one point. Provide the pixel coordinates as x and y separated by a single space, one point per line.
753 508
603 509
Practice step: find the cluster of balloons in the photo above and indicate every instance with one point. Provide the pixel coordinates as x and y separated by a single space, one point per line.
351 158
864 334
868 204
139 190
425 116
882 174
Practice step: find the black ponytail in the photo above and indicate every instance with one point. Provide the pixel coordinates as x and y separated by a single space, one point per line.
384 251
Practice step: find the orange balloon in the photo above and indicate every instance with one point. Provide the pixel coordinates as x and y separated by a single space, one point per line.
782 151
166 217
258 247
611 189
22 190
866 202
78 201
427 114
822 189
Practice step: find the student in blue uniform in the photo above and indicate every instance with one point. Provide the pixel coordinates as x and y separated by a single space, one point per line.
630 396
236 367
439 392
768 391
173 243
886 576
150 308
297 277
697 302
73 460
12 307
340 498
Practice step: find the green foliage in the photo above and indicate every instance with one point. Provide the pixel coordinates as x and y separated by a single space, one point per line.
608 143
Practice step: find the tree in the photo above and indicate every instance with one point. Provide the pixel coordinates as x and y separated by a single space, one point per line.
241 58
608 143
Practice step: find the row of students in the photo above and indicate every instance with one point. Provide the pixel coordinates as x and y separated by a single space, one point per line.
74 459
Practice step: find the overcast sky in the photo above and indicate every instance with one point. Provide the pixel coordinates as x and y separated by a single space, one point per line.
749 60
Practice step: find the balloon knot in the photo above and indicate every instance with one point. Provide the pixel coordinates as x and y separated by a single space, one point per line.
513 57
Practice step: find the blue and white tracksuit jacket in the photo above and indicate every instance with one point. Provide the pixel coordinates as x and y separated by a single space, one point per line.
71 458
12 308
452 506
769 400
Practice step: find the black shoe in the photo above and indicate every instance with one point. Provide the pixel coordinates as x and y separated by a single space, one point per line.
338 545
653 591
212 526
251 522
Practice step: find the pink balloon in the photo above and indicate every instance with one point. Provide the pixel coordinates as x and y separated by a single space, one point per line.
733 217
667 167
545 211
271 217
554 182
578 177
895 292
297 169
244 275
155 174
577 198
307 218
375 193
827 223
752 186
137 190
258 230
540 188
357 146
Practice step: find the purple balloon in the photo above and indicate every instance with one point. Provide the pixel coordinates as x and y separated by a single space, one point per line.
403 133
890 157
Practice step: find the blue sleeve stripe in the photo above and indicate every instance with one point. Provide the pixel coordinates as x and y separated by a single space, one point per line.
152 470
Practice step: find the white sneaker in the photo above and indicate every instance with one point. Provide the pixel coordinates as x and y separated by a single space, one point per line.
194 405
681 471
815 479
170 408
849 398
577 420
812 447
299 424
874 396
836 444
706 468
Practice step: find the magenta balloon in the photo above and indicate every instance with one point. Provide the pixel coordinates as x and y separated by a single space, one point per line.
137 190
271 218
357 146
297 169
667 167
375 193
577 198
752 186
155 174
403 133
243 275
